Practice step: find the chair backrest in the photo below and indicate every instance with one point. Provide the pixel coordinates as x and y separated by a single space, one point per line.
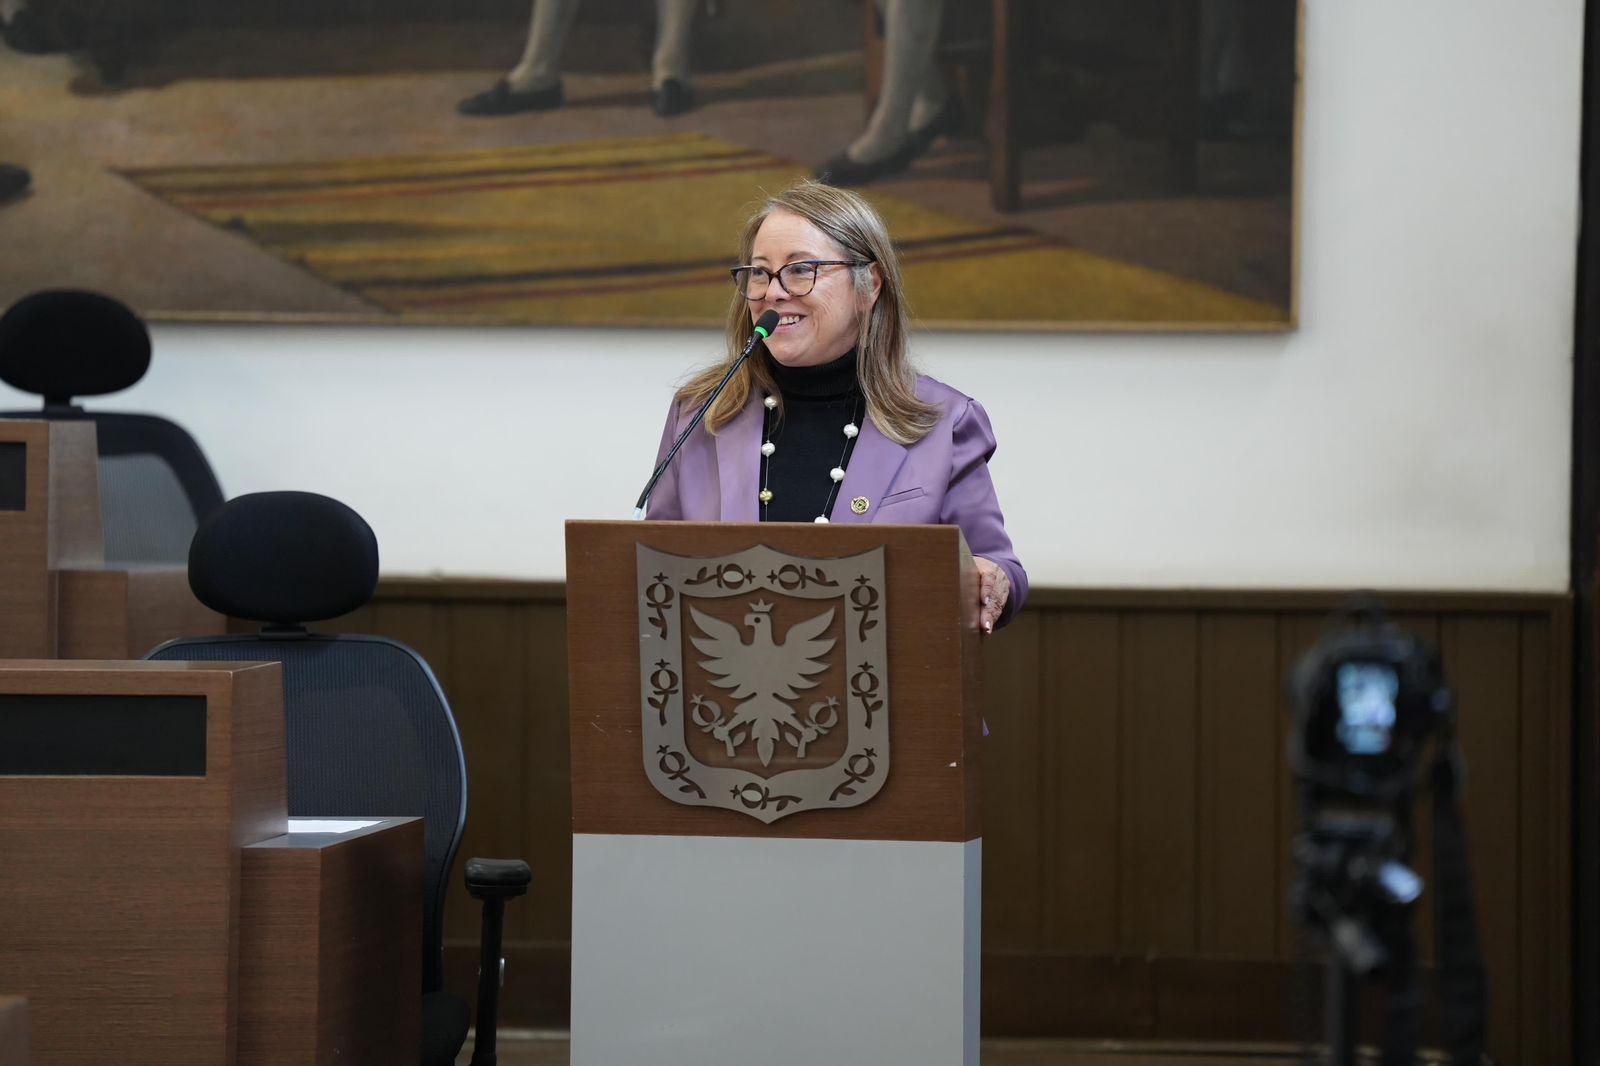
367 729
367 732
155 482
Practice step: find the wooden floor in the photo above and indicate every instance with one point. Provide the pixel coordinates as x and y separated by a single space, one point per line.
552 1050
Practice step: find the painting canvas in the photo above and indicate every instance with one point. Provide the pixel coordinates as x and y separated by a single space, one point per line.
1085 164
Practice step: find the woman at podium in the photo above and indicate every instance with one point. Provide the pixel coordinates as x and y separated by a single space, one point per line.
827 420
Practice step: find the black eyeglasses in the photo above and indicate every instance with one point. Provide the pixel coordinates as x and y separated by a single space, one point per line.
797 279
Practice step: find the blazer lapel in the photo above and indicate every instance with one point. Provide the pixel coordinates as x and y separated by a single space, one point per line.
739 463
873 467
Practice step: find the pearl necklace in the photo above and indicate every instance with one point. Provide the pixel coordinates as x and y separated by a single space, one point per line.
835 476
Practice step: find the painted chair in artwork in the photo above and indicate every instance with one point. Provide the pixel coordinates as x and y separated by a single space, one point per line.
367 729
156 484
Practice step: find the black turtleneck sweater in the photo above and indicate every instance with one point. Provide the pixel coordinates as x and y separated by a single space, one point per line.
809 439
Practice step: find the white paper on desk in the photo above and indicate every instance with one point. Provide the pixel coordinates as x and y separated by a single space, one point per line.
327 825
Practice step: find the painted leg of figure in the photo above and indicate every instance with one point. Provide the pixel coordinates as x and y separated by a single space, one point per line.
540 67
934 111
669 69
534 84
911 34
910 75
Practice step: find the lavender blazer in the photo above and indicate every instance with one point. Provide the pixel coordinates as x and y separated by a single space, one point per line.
943 479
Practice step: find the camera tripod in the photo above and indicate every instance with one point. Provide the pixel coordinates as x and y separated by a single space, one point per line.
1359 896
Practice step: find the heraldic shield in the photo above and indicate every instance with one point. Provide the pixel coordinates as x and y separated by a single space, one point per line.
763 679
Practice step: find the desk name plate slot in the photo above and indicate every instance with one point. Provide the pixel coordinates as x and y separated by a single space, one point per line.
80 735
13 476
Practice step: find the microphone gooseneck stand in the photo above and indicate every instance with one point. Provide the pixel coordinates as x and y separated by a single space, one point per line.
763 329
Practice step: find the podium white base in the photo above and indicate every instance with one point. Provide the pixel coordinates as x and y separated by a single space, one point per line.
728 951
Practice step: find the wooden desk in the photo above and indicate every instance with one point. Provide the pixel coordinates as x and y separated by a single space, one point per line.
49 519
154 909
57 598
330 946
122 614
128 790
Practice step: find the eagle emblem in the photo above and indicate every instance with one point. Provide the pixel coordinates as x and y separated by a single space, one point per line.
763 679
765 673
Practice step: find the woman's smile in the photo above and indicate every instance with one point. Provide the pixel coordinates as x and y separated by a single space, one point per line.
823 324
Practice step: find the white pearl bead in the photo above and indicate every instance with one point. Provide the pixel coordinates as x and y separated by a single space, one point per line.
768 448
851 430
771 402
821 518
837 473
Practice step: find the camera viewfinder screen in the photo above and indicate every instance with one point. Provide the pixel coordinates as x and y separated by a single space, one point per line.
1367 692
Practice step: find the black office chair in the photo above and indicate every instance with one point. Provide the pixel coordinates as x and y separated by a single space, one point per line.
367 730
155 482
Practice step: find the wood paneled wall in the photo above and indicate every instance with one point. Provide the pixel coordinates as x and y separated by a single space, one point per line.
1138 810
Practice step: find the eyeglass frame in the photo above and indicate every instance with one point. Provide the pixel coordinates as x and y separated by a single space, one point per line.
775 275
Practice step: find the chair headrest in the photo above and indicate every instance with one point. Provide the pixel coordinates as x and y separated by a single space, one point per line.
283 558
62 343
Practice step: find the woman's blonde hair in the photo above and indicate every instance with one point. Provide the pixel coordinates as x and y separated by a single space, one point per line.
882 365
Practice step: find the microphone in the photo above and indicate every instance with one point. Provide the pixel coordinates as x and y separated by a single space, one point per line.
763 329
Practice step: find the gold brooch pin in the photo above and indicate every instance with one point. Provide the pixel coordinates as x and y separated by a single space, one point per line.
859 505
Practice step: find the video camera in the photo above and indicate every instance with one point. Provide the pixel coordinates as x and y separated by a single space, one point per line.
1367 700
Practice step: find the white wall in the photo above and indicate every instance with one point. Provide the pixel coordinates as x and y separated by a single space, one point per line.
1413 433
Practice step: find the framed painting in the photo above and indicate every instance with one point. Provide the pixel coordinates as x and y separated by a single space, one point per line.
1126 164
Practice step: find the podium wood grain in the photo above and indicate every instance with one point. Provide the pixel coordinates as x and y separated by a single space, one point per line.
330 948
119 897
932 790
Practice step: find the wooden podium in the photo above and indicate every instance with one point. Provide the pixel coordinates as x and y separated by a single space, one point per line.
777 848
57 598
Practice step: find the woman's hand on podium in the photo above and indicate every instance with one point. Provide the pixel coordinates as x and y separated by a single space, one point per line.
994 588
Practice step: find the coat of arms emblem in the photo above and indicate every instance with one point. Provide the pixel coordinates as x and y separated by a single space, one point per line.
763 679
